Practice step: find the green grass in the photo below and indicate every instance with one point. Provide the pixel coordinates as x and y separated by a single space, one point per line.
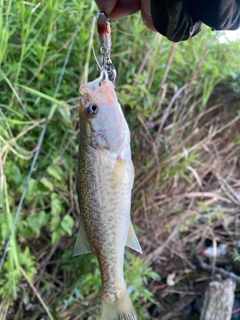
34 39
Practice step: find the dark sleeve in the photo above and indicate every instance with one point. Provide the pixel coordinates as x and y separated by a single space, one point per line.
173 19
181 19
217 14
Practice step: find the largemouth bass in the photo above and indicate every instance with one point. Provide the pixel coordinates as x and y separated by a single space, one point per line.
105 180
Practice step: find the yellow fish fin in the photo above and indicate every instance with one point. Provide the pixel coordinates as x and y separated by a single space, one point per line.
115 308
132 240
82 245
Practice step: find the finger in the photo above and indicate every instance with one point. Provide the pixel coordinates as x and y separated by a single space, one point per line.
124 8
118 9
146 14
106 5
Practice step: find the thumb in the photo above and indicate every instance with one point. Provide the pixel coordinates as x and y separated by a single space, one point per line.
146 14
106 5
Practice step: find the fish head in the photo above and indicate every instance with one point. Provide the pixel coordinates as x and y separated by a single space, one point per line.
102 118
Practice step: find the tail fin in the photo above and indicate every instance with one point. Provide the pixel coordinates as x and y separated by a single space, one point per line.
117 308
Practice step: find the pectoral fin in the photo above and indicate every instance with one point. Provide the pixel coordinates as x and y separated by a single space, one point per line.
132 240
82 244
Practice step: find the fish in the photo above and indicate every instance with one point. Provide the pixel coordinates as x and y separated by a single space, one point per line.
104 185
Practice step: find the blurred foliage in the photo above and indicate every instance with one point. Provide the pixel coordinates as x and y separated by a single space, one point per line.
34 41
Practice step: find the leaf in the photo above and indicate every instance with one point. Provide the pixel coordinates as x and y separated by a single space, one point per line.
45 184
55 171
3 227
55 237
65 113
32 188
56 206
28 262
55 221
43 95
67 224
37 221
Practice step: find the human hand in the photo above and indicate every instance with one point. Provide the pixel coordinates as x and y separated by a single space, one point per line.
117 9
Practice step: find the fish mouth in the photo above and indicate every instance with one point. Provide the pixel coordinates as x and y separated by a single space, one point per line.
95 84
99 91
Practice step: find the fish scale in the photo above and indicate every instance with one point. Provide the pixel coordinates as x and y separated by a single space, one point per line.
96 212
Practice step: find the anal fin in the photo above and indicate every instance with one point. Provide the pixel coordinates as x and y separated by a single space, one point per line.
82 244
132 240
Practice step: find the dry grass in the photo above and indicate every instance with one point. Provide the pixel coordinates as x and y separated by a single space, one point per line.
191 196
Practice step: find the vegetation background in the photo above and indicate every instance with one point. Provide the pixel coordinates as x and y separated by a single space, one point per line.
182 105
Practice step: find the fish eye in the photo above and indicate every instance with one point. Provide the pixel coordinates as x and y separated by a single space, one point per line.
92 109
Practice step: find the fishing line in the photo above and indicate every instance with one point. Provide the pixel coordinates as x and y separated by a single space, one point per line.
123 32
95 57
40 140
